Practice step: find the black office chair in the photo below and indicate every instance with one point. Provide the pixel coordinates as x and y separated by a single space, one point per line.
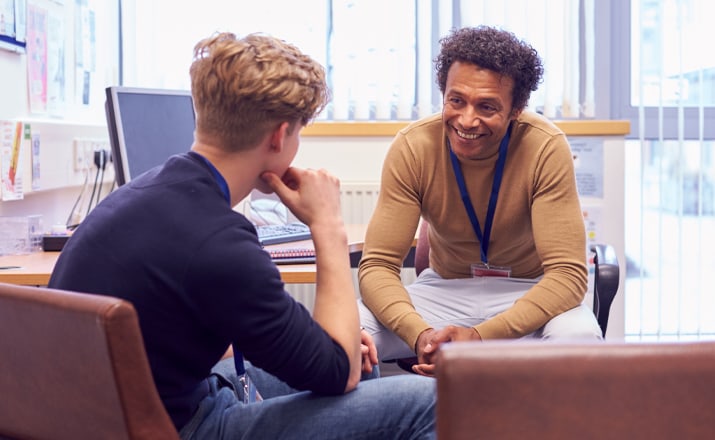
606 279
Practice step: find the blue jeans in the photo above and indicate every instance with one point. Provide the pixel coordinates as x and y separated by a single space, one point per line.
395 407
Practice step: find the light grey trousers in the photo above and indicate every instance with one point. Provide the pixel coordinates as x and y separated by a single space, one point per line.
466 302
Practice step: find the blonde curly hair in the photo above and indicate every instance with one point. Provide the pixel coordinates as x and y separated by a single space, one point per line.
243 88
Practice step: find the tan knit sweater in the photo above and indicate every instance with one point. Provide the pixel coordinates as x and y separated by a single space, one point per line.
538 227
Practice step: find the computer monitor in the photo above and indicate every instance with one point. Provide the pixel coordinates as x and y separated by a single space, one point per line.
146 127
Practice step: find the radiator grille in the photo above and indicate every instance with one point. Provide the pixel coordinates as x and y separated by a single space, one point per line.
358 201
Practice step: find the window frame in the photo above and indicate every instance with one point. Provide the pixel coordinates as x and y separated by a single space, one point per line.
657 123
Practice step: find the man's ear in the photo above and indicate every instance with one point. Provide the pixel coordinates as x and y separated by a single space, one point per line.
515 113
278 135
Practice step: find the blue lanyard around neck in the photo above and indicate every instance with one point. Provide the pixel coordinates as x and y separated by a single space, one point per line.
237 355
220 181
496 184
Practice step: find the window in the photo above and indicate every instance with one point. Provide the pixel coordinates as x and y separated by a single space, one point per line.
666 79
667 92
379 54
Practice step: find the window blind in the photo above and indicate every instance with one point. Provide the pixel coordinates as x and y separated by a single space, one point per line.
670 212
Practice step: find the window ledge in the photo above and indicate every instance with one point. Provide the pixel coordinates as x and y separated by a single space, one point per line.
390 128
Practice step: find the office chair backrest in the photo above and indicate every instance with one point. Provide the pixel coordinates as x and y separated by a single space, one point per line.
526 389
73 366
605 283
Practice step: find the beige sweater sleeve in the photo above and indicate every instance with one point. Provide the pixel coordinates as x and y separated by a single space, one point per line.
388 239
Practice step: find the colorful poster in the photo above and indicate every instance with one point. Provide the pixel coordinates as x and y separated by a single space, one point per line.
11 159
37 58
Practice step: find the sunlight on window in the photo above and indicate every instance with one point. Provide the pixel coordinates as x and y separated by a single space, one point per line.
166 34
372 59
669 64
670 228
378 54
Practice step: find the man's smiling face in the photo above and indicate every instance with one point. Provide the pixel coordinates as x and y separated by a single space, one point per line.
477 110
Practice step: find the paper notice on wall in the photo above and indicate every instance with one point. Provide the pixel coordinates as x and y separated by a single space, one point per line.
34 138
588 164
594 234
56 79
7 18
37 58
592 221
11 159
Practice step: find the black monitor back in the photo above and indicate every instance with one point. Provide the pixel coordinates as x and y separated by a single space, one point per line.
146 127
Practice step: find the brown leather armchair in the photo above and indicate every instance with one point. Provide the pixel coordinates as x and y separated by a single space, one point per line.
73 366
530 390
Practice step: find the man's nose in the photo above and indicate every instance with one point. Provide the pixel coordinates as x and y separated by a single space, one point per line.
469 118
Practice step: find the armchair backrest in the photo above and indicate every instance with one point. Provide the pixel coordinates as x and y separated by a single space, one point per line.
598 390
73 366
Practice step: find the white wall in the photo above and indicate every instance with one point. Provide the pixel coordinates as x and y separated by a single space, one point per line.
74 119
352 159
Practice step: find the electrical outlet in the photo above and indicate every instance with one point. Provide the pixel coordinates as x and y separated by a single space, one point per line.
83 154
84 149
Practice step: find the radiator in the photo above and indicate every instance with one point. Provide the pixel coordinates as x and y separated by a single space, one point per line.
357 200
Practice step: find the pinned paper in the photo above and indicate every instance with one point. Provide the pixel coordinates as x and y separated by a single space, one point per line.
11 159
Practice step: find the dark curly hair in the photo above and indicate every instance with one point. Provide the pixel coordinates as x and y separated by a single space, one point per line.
496 50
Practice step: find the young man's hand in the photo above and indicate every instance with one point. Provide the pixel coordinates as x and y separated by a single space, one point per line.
368 351
311 195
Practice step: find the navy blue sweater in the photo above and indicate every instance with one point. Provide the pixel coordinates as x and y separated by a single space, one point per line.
169 243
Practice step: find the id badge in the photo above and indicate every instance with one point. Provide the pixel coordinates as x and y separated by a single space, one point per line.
486 270
250 393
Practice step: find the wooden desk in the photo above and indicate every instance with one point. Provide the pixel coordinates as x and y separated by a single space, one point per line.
35 268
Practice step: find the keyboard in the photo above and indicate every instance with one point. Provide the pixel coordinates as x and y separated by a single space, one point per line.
275 234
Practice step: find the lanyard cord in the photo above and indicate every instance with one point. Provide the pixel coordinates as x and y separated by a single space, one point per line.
220 181
237 356
496 184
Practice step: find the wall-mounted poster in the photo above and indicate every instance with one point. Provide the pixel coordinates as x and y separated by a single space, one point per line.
37 58
11 159
588 164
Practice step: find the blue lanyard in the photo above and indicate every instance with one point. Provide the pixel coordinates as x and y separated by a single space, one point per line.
496 184
220 181
237 356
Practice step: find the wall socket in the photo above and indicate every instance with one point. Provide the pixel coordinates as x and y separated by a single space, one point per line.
84 149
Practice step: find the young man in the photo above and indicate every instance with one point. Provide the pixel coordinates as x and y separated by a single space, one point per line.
171 244
496 184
